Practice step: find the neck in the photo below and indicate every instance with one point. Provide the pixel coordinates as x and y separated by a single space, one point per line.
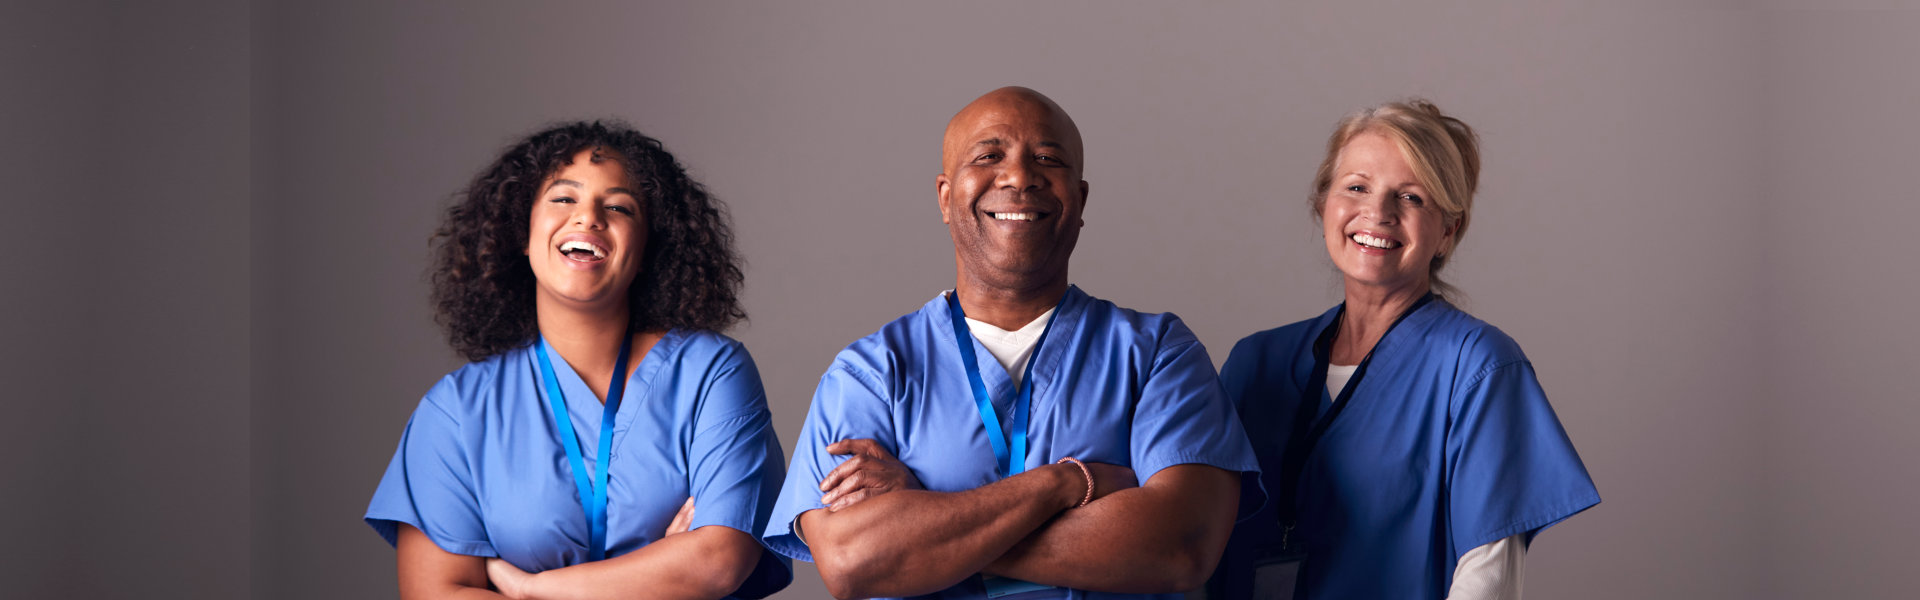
1008 307
589 340
1369 313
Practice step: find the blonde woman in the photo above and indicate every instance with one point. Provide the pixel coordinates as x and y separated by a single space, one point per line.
1407 447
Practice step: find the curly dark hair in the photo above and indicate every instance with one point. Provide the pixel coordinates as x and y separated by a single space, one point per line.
483 287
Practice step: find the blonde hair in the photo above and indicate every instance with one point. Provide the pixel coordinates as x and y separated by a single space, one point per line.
1443 152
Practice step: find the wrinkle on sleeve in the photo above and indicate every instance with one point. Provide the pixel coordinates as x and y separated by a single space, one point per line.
735 464
429 483
1184 417
847 405
1511 468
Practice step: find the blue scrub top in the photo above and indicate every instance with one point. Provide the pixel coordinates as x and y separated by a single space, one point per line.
481 469
1110 385
1448 444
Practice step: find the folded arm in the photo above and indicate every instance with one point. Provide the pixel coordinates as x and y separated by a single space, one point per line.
430 573
912 542
703 564
1163 537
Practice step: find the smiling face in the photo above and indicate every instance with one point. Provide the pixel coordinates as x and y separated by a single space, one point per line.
587 236
1011 194
1381 229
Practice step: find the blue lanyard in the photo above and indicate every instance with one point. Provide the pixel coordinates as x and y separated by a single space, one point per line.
1023 402
593 494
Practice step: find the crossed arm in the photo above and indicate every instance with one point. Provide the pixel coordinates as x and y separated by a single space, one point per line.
709 562
881 537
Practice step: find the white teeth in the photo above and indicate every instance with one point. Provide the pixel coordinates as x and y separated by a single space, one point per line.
1016 216
597 251
1374 242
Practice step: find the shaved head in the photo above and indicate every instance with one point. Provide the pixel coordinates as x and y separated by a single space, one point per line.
1012 196
1011 104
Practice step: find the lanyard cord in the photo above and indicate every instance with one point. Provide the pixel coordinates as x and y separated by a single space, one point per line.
1023 400
593 494
1308 428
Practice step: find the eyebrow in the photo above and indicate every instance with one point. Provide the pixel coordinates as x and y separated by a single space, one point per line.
999 142
612 190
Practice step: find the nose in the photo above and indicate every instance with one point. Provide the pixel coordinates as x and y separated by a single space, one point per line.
1380 208
1021 175
587 213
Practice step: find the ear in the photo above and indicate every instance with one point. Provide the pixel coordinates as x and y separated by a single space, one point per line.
942 187
1084 186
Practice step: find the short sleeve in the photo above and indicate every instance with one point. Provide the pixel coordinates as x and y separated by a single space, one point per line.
429 483
1184 417
736 464
1511 468
847 405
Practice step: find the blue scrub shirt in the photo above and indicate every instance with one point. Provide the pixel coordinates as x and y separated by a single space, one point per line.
1110 385
481 469
1448 444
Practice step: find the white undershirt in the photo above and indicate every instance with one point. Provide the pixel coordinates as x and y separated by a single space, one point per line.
1012 348
1489 572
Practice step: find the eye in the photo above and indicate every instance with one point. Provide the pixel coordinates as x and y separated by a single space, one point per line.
561 200
988 157
1413 199
1357 188
621 208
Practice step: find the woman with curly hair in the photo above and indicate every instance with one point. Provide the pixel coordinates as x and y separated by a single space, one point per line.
603 424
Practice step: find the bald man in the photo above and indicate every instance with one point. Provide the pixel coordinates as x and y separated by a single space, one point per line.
1049 444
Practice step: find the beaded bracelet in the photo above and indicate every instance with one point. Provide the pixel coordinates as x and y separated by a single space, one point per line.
1084 473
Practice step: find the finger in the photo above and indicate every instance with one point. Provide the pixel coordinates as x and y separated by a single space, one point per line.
856 446
681 519
849 500
849 446
852 483
845 468
685 516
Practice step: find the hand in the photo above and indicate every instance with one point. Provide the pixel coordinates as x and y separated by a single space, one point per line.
681 520
871 472
508 579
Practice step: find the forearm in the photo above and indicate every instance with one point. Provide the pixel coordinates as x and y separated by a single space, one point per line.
913 542
448 592
1164 537
428 573
703 564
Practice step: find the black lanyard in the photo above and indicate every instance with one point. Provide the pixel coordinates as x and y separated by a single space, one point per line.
1308 428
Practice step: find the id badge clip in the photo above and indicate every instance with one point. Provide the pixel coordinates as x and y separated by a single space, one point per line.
1275 577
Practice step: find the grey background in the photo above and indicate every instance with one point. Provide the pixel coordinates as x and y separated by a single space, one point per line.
1693 218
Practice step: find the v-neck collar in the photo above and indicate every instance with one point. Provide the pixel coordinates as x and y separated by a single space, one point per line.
585 409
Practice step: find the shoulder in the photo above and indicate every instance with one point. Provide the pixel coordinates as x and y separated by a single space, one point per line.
1479 343
700 347
1103 318
895 349
463 398
474 385
1480 346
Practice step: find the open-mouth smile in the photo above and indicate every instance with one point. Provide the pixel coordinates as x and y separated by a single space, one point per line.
1017 216
582 251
